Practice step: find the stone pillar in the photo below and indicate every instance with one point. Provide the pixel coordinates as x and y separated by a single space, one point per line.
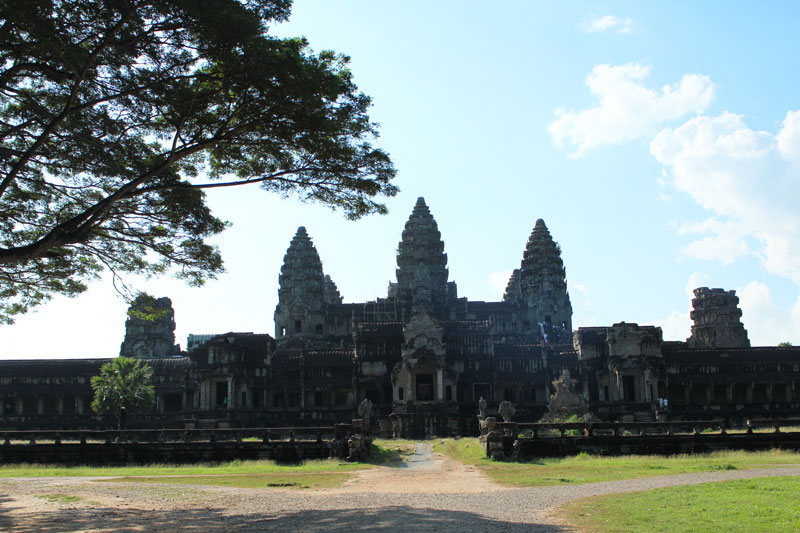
20 405
203 396
231 399
78 404
729 393
709 393
39 405
60 406
440 384
687 392
770 393
750 387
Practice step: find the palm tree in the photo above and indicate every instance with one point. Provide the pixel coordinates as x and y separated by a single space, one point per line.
122 387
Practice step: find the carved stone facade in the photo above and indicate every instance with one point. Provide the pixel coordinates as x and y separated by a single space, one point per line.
424 357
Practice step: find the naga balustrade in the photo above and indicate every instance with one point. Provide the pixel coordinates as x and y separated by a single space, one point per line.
520 441
283 444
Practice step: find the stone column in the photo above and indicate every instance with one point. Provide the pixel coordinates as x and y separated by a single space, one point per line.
750 387
687 391
203 395
60 406
39 405
729 393
440 384
231 399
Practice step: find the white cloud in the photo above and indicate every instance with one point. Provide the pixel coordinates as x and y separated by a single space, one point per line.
580 296
747 179
767 323
696 280
498 281
626 109
607 22
676 327
725 242
789 137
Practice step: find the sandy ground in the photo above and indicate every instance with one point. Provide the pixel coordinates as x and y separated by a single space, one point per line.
432 493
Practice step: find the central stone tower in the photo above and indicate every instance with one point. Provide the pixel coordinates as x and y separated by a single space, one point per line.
421 262
539 288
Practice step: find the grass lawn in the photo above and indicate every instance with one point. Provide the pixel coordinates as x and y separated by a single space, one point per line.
585 468
230 468
766 504
293 480
248 474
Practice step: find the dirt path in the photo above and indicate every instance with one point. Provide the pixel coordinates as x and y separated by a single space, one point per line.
432 493
423 473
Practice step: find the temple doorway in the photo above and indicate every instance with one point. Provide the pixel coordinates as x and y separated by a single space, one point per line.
425 387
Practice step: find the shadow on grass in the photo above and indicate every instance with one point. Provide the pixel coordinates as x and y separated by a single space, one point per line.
393 518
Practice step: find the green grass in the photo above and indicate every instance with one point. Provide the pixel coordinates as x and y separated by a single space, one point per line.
291 480
766 504
247 474
59 498
585 468
232 467
388 452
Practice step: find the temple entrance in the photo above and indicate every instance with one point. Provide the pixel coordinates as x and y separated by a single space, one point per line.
222 395
627 389
425 387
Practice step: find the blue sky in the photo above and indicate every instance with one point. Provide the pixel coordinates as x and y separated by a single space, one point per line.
660 142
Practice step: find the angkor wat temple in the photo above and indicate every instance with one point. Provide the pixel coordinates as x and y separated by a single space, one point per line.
424 356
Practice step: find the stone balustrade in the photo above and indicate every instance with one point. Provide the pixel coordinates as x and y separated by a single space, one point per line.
520 441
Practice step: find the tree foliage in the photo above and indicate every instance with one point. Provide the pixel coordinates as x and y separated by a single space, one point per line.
123 384
117 115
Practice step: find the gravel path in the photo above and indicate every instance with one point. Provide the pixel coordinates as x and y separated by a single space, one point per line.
433 494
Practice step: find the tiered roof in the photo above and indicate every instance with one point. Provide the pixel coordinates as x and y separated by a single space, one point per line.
420 257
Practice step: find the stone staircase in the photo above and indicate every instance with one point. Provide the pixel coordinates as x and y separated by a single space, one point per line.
644 416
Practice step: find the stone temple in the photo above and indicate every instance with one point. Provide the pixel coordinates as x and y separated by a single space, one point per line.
425 356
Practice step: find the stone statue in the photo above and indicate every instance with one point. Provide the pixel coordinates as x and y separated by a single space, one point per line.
506 410
365 410
482 407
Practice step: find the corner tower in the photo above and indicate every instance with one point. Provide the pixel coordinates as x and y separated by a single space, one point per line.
301 291
421 261
540 287
150 329
717 320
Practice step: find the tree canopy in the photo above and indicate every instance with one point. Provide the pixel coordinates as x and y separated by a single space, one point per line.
117 115
123 386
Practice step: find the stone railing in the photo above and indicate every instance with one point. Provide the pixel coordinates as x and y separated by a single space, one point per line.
286 444
519 440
